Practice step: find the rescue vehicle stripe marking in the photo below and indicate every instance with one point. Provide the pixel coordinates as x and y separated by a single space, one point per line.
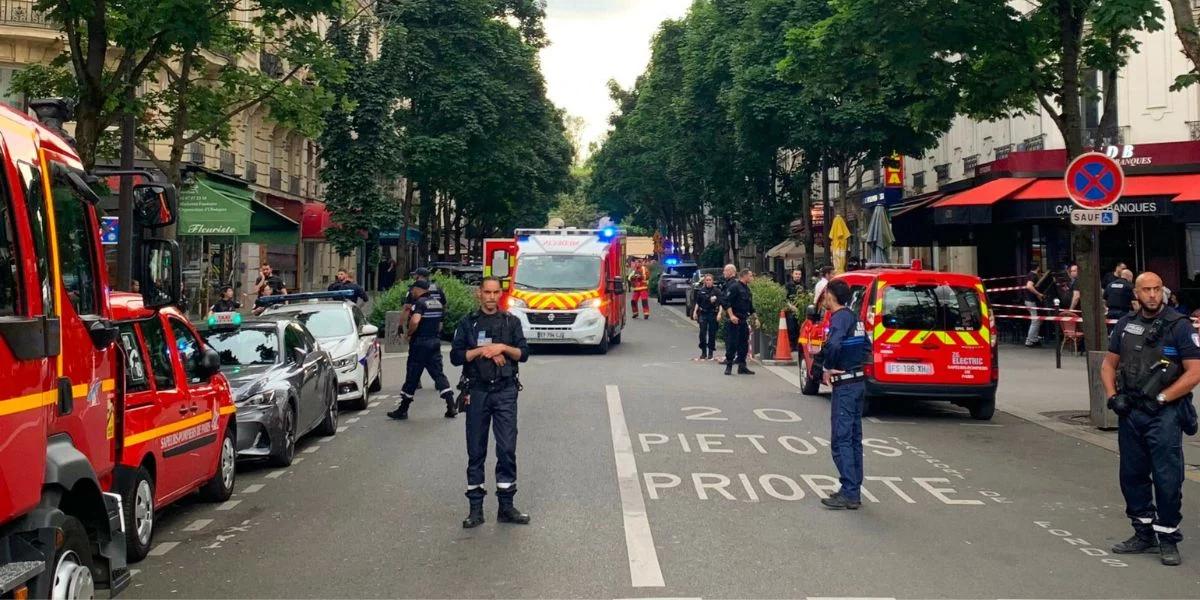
644 570
162 548
896 336
920 337
229 504
27 402
967 338
189 446
198 524
228 410
986 334
158 432
276 474
250 489
944 337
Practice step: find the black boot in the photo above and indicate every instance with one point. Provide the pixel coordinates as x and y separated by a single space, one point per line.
729 368
1136 545
451 408
742 370
840 502
475 518
1170 554
400 413
510 514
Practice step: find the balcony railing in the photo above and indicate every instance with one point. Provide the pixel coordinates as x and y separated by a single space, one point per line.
21 12
1094 137
1193 130
943 172
1003 151
969 164
1037 142
276 179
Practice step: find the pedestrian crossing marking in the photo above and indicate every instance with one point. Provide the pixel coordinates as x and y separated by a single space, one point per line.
198 524
162 548
229 505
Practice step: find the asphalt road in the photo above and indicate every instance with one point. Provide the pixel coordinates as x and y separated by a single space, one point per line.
714 493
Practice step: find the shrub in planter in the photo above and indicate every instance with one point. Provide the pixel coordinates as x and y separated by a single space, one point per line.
460 300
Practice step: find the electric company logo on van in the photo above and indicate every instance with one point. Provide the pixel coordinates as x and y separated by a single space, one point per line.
965 361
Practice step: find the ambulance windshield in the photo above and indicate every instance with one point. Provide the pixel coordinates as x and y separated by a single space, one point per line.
541 272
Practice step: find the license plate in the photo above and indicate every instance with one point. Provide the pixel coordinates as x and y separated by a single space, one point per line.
551 335
893 368
682 286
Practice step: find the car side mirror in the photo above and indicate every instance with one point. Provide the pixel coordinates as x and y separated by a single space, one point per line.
209 363
811 314
298 355
617 285
155 204
368 331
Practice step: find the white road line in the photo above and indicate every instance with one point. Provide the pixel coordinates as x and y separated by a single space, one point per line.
161 548
276 474
343 428
644 570
373 405
351 420
229 504
981 424
311 449
846 598
198 524
250 489
882 422
364 412
382 397
134 572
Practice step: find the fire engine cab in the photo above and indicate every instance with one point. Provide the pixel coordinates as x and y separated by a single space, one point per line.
932 338
62 534
565 285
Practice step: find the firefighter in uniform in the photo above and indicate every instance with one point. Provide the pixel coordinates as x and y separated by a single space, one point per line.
739 307
488 345
708 306
424 350
1153 362
639 284
845 351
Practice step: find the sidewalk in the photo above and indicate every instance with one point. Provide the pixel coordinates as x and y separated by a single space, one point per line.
1032 389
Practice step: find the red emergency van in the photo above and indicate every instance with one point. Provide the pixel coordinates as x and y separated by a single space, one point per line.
565 285
61 532
932 338
178 426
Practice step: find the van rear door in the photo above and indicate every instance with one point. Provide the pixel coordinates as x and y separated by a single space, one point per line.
931 330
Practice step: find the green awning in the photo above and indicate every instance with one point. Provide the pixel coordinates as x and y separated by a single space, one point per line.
212 208
269 226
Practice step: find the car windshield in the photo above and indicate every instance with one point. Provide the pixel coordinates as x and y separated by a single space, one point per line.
680 271
245 347
931 307
557 272
324 322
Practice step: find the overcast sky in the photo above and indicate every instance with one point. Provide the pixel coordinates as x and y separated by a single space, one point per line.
592 41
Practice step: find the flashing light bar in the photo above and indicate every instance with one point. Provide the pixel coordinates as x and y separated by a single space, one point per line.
671 261
304 297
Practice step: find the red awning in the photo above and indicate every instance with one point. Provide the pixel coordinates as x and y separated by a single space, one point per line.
986 194
316 220
1183 188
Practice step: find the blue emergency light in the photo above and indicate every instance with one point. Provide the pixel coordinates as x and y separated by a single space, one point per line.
304 297
608 233
671 261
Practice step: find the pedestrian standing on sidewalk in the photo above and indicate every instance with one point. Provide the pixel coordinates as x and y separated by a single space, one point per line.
739 301
1032 299
845 351
1152 365
488 345
708 306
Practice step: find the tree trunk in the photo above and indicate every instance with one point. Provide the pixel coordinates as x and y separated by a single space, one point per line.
1187 31
425 221
182 119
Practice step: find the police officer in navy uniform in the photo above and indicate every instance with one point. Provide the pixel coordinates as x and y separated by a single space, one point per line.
1153 362
708 306
739 307
489 345
421 274
424 350
845 351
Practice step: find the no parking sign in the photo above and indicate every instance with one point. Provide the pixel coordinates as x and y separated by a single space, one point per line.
1094 181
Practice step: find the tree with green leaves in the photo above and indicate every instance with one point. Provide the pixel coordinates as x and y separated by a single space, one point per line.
1188 32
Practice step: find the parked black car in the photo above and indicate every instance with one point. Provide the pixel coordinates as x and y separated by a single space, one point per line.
694 283
674 281
283 384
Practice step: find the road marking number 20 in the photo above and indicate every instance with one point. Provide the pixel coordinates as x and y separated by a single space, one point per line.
773 415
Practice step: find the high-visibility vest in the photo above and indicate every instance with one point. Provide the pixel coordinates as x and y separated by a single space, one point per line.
639 279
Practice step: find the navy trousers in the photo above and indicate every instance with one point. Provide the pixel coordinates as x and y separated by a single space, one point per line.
497 411
708 333
737 341
846 412
1152 471
425 354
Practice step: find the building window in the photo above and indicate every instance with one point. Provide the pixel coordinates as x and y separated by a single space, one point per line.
919 181
943 172
1037 142
969 164
1194 126
1003 151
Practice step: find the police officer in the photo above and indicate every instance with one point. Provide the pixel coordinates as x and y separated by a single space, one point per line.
739 307
708 306
424 351
1118 295
344 282
1153 362
489 344
846 350
421 274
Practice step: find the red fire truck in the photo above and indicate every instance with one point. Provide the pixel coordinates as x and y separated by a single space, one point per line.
565 285
61 533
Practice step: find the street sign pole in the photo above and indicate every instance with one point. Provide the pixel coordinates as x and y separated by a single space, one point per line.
1094 182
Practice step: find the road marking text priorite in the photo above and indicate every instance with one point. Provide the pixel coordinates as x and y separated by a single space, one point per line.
644 570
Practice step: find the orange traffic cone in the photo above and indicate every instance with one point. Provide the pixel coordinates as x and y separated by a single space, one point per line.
783 348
